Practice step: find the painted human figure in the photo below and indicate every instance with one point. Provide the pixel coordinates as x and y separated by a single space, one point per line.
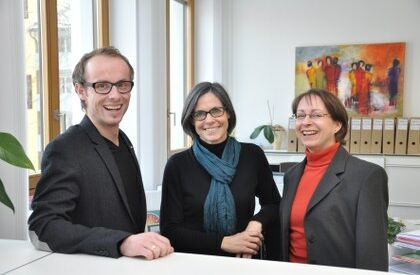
359 77
310 73
393 78
330 75
320 82
352 77
364 99
337 73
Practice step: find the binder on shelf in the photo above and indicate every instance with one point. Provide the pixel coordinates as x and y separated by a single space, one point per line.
301 148
291 136
376 142
388 136
401 136
366 135
413 147
355 135
347 139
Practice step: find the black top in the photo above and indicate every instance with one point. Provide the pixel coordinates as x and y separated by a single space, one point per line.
129 176
184 190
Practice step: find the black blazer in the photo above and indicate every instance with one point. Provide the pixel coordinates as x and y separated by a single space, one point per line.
346 220
80 205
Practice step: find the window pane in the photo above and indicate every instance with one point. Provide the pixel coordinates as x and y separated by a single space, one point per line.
177 76
33 81
75 37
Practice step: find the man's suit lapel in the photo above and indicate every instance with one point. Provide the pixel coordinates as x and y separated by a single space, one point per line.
102 148
330 178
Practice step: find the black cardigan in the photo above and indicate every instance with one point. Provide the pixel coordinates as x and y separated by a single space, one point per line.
184 190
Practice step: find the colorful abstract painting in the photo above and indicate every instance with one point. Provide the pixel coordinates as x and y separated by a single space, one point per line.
368 78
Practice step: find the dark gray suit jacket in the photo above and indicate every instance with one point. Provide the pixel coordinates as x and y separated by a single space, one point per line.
346 219
80 205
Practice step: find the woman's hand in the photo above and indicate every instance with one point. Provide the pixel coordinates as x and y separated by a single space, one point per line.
246 243
253 226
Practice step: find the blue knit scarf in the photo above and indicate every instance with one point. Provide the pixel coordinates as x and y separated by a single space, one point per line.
219 207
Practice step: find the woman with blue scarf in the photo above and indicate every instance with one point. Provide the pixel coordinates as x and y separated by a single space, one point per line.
209 190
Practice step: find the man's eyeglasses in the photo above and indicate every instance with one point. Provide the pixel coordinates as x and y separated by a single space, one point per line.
214 112
312 116
104 87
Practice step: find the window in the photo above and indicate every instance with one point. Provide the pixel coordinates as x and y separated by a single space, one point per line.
57 33
180 67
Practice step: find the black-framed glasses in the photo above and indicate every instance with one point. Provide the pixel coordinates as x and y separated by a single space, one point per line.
214 112
104 87
313 116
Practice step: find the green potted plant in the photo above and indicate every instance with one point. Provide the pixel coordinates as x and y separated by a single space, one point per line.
11 151
394 227
270 131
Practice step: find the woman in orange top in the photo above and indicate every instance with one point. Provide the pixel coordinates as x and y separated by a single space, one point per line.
334 207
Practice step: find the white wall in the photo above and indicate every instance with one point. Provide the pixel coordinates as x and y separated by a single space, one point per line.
264 35
13 116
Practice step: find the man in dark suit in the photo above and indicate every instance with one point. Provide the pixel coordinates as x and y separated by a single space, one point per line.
90 198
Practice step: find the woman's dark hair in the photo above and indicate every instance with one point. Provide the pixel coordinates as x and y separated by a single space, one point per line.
335 108
191 102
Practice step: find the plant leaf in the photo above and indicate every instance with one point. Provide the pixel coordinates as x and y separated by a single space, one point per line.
4 198
11 151
268 133
257 131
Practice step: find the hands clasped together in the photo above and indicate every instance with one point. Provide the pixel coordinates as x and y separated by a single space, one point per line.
245 244
149 245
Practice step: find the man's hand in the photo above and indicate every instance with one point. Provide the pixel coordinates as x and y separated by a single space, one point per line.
149 245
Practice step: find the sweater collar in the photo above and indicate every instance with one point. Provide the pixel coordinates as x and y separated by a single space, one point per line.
216 149
323 157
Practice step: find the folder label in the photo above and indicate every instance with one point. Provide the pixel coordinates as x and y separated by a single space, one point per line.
415 124
389 124
366 124
402 124
377 124
292 123
355 124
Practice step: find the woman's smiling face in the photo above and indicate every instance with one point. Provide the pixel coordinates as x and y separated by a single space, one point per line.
212 130
316 133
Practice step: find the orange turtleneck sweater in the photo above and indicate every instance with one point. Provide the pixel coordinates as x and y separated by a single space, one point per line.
316 165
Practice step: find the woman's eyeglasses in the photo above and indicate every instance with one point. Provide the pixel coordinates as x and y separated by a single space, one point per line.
312 116
214 112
